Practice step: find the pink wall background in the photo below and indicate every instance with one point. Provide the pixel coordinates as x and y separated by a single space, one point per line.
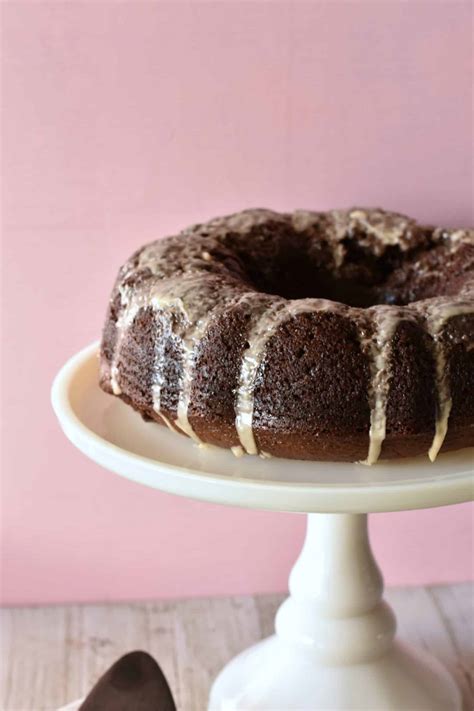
124 121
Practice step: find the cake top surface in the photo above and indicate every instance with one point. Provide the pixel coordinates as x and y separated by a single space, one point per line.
359 258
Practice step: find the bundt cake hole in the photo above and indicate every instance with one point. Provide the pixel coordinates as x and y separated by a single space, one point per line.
276 260
361 281
302 280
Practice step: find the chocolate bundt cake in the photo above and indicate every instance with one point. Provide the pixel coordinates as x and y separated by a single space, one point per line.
346 335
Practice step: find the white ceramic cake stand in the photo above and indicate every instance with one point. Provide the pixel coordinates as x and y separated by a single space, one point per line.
334 645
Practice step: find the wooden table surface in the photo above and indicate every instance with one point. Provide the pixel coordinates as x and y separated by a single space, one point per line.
52 655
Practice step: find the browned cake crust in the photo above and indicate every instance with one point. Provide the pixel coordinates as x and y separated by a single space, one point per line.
341 336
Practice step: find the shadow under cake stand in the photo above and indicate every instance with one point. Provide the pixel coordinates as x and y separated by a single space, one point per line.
334 646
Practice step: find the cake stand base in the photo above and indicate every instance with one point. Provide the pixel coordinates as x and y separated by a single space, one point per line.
273 676
334 647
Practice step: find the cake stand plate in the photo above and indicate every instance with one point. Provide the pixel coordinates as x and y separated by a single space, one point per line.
334 646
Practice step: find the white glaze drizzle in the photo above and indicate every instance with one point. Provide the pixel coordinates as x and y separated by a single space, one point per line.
437 315
388 229
190 344
455 238
189 348
169 294
261 332
387 319
127 315
133 302
158 374
167 422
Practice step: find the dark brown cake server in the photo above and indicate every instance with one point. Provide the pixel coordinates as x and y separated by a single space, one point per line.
134 683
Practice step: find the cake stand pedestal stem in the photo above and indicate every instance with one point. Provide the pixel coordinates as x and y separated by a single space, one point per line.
334 646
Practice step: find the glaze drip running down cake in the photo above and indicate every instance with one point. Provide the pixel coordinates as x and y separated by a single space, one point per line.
346 335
